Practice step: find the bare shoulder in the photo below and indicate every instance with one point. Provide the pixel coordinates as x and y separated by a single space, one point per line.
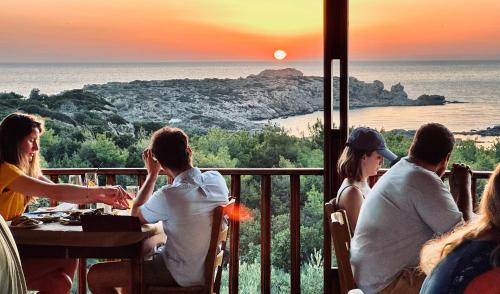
349 196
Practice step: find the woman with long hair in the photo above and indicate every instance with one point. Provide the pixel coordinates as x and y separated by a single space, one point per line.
362 157
21 180
468 257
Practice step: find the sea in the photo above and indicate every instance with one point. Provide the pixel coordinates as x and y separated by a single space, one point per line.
475 83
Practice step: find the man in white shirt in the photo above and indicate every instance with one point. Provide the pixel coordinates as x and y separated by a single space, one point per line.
185 208
408 206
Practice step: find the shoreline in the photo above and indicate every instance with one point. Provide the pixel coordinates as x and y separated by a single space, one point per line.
374 117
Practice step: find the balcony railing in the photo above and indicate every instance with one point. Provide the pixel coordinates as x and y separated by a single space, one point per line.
235 174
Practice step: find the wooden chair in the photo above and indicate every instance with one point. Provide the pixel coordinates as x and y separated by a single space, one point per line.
341 238
333 206
213 260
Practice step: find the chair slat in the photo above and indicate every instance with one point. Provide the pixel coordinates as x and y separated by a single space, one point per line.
341 238
223 235
218 259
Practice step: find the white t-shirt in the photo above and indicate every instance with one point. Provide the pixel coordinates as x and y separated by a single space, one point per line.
408 206
185 207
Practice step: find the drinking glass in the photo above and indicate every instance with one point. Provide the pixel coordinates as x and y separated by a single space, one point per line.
105 207
91 179
75 179
132 190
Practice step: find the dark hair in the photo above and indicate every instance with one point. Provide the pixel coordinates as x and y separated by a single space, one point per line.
432 143
169 146
349 165
13 129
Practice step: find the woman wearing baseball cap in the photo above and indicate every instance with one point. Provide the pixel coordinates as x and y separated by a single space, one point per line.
362 157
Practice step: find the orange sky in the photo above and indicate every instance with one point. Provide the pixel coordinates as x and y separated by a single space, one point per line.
173 30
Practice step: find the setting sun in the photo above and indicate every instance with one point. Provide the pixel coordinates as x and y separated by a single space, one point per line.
279 54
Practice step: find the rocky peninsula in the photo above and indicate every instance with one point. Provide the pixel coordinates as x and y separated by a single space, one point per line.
239 103
199 104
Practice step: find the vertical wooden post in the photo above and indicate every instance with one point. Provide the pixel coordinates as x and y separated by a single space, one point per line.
335 35
234 237
295 233
55 179
474 192
265 235
82 276
140 180
110 180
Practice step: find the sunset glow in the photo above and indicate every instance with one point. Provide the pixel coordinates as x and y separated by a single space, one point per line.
59 30
279 54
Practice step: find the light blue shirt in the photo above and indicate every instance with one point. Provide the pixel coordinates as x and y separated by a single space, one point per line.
408 206
185 208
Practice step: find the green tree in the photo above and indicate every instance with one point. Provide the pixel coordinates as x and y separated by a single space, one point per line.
103 152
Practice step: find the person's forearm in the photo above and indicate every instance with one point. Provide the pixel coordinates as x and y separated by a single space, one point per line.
59 192
145 192
465 203
72 193
45 179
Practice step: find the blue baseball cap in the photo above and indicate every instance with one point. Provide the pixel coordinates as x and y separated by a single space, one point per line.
366 139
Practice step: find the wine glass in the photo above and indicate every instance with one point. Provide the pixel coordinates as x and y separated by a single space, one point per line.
91 179
75 180
132 190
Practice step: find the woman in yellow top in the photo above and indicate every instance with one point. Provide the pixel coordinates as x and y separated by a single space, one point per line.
21 180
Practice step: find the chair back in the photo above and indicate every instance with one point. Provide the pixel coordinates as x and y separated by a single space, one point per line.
333 205
215 254
214 257
341 238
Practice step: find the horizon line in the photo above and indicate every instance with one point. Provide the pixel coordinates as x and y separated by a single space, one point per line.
284 62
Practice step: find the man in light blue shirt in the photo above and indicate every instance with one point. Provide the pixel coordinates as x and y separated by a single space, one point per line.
407 207
185 208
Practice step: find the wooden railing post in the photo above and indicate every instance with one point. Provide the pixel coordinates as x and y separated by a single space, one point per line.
82 276
55 179
234 254
295 233
140 180
474 193
110 180
265 235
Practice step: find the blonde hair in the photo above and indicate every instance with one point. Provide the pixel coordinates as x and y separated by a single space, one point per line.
13 129
488 220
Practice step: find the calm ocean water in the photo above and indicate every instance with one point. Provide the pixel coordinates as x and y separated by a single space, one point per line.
475 82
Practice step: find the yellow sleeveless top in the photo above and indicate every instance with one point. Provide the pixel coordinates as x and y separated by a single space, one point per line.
11 203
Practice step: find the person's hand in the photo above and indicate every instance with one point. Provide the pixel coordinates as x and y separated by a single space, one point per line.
152 165
460 180
115 196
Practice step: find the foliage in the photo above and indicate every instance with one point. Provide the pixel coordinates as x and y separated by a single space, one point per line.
311 277
103 152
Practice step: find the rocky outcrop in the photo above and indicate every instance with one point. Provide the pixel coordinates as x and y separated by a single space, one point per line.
279 73
362 94
198 105
239 103
430 100
490 131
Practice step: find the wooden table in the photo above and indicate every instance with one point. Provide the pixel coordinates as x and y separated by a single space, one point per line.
54 240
